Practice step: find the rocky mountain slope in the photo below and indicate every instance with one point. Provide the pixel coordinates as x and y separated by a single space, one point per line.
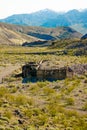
50 18
11 36
14 34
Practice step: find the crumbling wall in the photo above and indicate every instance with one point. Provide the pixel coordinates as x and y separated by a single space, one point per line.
79 68
69 72
47 74
58 73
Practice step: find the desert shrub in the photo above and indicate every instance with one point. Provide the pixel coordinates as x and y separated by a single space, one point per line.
13 90
8 114
10 98
36 111
31 127
21 100
70 89
42 84
54 108
67 81
48 91
34 89
17 128
70 101
1 102
3 91
11 85
28 112
85 107
41 120
2 127
71 113
9 79
55 98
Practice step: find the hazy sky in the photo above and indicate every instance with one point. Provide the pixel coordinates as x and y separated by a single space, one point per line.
9 7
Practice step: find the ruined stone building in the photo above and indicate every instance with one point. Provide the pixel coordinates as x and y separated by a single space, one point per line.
45 70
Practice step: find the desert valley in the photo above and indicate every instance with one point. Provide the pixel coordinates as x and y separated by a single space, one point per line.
52 49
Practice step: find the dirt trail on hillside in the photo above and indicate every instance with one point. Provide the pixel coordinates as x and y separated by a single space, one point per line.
6 71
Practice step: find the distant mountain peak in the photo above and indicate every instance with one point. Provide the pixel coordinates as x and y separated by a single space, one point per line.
45 11
48 10
74 11
50 18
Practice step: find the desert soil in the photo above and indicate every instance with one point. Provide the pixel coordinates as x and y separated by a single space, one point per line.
6 71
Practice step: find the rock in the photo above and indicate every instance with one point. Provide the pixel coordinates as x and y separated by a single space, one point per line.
84 37
20 121
17 112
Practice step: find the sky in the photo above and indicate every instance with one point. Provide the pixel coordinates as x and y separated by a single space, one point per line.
10 7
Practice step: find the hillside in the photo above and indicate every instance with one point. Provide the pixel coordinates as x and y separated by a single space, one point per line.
14 34
50 18
10 35
72 47
82 28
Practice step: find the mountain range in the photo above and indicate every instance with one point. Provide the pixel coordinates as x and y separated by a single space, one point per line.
49 18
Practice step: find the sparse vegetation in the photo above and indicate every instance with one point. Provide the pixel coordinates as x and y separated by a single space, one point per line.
58 105
85 107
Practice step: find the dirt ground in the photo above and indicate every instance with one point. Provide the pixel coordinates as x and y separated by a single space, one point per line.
6 71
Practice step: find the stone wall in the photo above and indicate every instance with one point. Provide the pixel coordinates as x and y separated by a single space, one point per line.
47 74
51 74
34 71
